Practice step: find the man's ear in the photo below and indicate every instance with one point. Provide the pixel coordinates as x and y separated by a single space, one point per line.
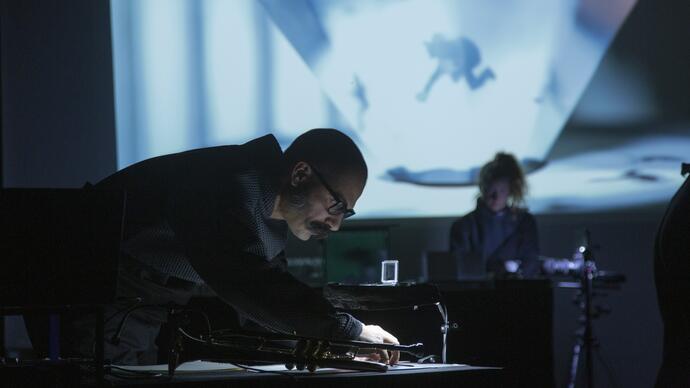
300 173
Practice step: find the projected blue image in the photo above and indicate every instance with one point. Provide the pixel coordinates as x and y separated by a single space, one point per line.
430 90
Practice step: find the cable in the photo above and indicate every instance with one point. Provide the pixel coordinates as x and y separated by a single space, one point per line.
123 373
115 339
249 368
208 327
181 330
425 359
136 302
204 315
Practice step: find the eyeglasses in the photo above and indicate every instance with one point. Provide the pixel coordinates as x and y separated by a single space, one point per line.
339 207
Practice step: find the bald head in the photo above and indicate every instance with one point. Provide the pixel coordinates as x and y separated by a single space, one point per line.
330 151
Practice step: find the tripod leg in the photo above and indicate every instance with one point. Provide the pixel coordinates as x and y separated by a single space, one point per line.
574 361
589 361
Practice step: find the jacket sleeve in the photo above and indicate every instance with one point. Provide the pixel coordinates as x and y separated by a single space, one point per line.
459 238
258 288
463 242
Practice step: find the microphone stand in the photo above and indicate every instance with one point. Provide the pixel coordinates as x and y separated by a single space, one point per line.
583 267
584 335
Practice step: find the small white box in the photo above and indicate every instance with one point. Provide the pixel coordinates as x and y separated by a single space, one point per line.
389 271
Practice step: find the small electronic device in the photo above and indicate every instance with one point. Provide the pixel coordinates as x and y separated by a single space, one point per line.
389 271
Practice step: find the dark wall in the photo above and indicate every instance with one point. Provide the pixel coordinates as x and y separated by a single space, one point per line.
58 120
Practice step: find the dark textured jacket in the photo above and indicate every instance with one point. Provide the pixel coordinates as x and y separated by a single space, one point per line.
493 239
204 216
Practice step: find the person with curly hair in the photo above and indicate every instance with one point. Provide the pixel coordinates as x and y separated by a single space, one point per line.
500 235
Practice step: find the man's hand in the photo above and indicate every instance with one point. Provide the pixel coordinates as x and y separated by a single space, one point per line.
375 334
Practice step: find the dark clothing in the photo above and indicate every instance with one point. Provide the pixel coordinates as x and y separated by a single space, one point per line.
491 239
672 279
203 216
136 344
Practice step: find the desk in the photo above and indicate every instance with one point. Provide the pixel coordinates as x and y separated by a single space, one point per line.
456 376
68 375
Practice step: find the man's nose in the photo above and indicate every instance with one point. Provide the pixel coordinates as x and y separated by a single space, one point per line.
334 222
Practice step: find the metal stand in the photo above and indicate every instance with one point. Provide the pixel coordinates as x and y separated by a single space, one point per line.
583 267
175 321
584 335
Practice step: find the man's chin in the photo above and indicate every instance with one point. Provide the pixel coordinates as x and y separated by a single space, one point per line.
305 236
309 234
319 236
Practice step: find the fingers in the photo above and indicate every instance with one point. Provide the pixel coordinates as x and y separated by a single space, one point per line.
384 356
395 357
375 334
378 355
390 339
368 357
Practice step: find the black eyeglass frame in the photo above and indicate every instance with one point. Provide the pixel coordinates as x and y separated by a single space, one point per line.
340 206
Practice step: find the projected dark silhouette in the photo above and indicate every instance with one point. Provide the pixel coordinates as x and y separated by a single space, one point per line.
553 91
458 58
360 94
435 177
447 177
638 170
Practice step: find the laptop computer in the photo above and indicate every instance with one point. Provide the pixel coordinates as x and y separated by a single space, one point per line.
443 266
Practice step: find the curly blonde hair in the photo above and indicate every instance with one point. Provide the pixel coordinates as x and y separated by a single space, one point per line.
504 166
